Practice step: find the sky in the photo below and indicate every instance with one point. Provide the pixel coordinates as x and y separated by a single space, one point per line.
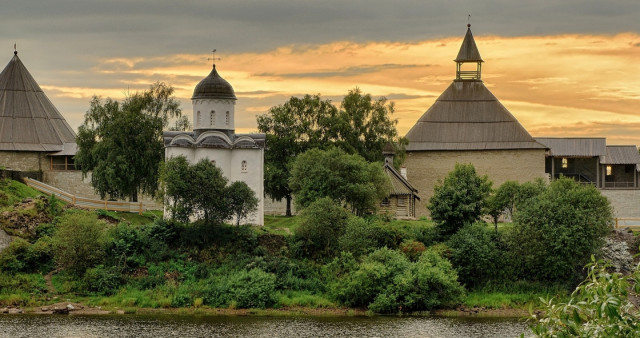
562 68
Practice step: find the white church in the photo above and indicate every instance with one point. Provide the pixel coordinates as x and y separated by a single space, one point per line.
239 156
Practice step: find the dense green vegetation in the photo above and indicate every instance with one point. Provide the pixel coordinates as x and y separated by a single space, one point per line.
325 257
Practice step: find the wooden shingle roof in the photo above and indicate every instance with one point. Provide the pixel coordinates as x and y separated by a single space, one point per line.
627 154
467 116
468 51
28 120
574 146
399 184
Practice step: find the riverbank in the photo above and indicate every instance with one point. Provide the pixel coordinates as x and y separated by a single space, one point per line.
74 308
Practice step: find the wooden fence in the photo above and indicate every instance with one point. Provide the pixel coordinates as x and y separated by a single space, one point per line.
623 222
85 202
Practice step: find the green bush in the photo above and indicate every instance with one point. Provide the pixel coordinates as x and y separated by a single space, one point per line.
386 282
79 242
362 237
475 255
558 230
245 289
412 249
321 225
599 307
102 280
459 200
13 258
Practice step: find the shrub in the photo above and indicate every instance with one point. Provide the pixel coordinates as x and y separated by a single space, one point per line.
459 200
599 307
321 225
475 255
79 242
558 230
13 258
102 280
253 289
412 249
387 282
362 237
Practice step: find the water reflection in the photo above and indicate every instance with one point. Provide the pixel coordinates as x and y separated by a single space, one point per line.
223 326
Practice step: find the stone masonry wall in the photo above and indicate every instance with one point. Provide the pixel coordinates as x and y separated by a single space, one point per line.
426 168
24 160
625 203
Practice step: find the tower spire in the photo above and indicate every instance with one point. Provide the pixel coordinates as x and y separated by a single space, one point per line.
468 54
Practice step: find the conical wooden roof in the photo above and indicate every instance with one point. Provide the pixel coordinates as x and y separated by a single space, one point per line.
468 51
467 116
28 120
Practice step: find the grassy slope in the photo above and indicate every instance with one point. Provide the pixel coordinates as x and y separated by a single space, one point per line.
12 192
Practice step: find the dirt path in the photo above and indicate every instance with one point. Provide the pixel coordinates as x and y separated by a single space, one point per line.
47 279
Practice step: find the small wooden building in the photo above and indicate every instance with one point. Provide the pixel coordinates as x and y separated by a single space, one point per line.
401 202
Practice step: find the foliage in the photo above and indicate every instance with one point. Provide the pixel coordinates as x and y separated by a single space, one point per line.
459 200
121 142
387 282
321 225
599 307
476 255
345 178
412 249
361 237
102 280
291 129
502 200
22 256
195 190
557 231
362 126
243 200
79 242
243 289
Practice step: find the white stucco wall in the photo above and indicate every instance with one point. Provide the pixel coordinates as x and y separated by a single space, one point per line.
221 107
230 163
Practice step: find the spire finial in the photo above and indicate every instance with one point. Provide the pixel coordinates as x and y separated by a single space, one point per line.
469 21
15 50
214 58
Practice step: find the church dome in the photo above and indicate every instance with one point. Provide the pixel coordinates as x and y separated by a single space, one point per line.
214 87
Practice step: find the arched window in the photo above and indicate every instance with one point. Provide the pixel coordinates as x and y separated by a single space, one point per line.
198 122
228 118
212 118
243 166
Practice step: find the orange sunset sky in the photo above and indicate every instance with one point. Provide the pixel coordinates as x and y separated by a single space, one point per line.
557 78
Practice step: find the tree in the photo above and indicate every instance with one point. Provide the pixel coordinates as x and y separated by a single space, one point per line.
459 200
197 190
362 126
291 129
557 231
345 178
121 143
243 200
321 225
79 241
502 200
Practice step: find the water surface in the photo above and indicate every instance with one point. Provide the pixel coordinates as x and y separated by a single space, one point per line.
236 326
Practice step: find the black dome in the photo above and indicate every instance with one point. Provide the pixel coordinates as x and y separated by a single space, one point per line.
213 87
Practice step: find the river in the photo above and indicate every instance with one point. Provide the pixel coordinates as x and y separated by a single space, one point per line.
51 326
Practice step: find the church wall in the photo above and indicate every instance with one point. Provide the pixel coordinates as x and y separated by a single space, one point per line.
425 168
24 160
230 163
221 107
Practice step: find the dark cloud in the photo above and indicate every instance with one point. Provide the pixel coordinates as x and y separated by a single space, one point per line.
343 72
